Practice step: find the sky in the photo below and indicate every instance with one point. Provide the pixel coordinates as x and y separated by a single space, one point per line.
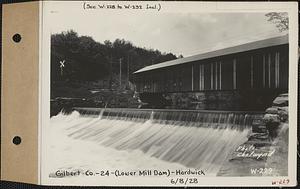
185 33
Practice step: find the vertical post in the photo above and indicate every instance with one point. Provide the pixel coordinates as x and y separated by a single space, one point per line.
264 71
110 72
216 76
202 77
192 77
120 60
128 69
234 73
199 77
211 76
251 71
277 69
269 69
220 75
201 86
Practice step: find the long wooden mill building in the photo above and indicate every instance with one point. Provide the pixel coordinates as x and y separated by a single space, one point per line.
243 77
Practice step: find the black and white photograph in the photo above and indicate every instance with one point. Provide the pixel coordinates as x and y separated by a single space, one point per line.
164 93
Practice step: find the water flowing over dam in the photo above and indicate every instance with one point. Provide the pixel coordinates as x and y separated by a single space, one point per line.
195 139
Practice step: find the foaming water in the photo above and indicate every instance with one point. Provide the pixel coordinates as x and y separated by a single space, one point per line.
200 140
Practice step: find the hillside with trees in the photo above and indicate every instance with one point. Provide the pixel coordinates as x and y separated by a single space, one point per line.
83 68
88 60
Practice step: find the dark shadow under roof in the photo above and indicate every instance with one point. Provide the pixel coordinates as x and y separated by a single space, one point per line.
231 50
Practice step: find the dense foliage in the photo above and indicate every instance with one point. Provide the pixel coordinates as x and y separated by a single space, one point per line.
81 58
280 19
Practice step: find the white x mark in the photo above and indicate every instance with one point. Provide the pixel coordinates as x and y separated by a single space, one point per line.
62 64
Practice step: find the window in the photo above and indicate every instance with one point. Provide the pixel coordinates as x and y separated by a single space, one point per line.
201 77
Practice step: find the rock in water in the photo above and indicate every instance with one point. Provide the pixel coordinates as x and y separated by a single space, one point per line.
281 100
271 118
272 110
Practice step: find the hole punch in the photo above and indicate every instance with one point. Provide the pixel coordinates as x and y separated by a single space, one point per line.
17 140
17 38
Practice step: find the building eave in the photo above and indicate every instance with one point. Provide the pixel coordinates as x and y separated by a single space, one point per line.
275 41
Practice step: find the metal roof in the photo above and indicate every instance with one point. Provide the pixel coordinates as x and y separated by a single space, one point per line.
231 50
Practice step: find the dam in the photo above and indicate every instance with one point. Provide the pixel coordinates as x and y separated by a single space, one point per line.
192 138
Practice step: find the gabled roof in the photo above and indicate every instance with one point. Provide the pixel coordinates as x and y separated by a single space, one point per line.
226 51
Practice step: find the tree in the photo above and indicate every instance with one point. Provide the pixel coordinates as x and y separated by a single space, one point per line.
280 19
85 57
88 60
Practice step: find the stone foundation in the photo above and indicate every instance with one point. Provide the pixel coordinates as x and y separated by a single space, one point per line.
248 100
269 137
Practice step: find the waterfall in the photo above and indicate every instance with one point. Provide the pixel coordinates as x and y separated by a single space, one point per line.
195 139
